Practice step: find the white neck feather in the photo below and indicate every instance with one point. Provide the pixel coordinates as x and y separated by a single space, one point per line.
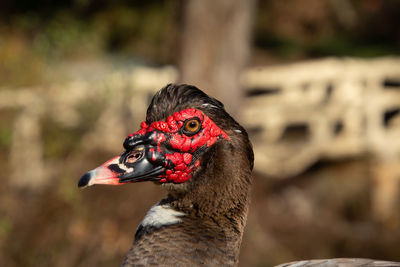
161 215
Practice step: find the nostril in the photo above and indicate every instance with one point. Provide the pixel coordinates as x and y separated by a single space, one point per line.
134 155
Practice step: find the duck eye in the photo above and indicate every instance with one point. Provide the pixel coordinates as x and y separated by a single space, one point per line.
192 126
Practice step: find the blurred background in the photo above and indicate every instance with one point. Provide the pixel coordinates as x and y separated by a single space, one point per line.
315 82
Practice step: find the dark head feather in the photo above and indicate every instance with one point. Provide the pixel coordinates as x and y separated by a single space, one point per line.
176 97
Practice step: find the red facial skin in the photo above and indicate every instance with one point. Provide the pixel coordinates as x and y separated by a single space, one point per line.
169 133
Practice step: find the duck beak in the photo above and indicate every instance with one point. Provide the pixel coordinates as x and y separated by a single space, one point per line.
104 174
131 166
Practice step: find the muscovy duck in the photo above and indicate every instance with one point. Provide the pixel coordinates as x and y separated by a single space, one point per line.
194 149
191 146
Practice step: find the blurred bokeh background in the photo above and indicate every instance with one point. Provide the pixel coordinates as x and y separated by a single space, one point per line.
315 82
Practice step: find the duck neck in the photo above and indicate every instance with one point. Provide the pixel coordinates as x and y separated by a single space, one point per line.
220 190
207 215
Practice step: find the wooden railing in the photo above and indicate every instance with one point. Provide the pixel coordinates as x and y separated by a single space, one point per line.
330 108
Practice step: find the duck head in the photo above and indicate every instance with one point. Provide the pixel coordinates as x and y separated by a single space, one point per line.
182 125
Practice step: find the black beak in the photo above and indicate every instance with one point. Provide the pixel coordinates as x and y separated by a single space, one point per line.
141 163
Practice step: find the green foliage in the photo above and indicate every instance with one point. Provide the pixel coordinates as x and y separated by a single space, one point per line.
35 39
348 46
5 137
6 226
66 36
6 119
